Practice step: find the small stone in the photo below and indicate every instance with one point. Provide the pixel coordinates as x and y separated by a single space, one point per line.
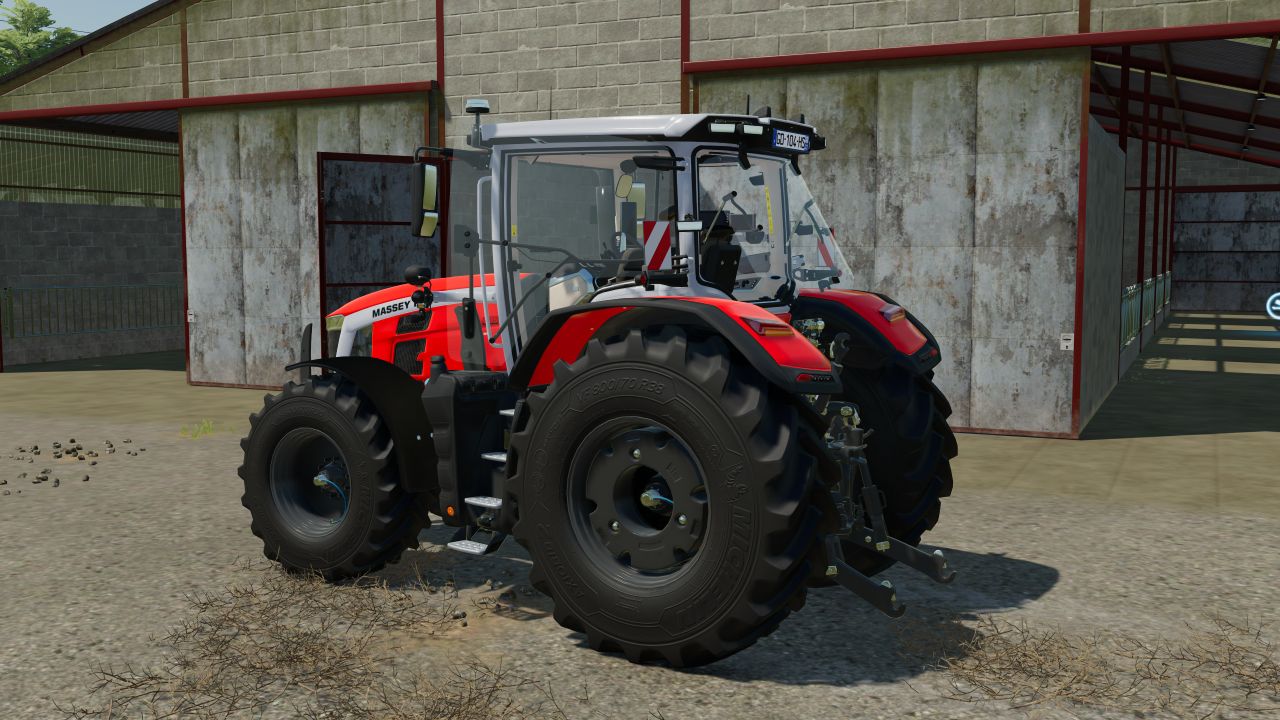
6 492
72 441
84 479
107 443
35 452
56 482
459 614
57 445
127 441
79 457
141 449
6 482
111 451
57 455
93 462
464 623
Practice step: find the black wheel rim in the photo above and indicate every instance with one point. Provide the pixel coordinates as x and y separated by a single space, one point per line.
637 499
310 485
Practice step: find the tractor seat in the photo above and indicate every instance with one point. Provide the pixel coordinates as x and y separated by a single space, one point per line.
632 264
718 261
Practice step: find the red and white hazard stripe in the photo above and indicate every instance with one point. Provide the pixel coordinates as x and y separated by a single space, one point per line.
826 253
657 244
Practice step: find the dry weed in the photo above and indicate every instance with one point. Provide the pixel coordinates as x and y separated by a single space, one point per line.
300 647
1227 668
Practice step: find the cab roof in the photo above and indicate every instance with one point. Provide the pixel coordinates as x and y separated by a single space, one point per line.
637 126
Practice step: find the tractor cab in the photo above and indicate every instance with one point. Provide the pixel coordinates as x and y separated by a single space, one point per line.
545 215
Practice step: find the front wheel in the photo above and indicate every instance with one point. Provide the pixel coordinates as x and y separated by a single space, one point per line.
321 482
665 498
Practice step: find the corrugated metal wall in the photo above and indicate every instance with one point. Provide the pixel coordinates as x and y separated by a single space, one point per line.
252 239
1103 265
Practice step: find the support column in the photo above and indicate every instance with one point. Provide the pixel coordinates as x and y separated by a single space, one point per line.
1142 182
1157 219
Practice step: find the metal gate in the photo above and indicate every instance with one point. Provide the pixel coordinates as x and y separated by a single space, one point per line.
365 213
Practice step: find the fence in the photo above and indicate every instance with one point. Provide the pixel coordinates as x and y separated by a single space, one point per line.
61 310
1154 292
1129 315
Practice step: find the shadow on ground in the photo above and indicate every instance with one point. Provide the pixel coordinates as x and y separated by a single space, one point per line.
836 639
169 360
1198 376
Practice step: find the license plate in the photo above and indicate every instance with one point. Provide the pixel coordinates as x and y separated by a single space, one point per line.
785 140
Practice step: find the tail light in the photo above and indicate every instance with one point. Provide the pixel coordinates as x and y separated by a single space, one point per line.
768 328
892 313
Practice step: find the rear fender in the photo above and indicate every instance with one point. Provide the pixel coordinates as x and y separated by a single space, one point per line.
874 340
788 361
398 400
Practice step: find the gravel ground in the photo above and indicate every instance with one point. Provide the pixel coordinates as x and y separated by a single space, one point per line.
92 573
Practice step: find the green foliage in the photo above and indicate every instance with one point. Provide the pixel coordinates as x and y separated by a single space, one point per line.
31 34
205 427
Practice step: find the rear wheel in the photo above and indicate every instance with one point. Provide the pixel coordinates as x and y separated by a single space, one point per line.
665 498
321 482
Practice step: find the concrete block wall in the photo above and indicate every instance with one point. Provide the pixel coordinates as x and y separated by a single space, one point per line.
49 244
145 65
722 29
1104 240
252 241
272 45
1107 15
541 59
952 186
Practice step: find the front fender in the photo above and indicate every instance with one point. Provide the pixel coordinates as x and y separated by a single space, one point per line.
786 360
874 339
398 400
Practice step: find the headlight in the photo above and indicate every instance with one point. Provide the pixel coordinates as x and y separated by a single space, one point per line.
333 329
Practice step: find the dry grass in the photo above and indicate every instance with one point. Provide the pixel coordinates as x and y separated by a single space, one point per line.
1226 668
299 647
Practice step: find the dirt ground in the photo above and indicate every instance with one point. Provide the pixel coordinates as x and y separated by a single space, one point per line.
1128 536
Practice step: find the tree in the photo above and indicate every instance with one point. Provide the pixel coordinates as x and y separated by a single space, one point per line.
31 34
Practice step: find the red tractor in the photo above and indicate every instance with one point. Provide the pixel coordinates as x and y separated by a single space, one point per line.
649 375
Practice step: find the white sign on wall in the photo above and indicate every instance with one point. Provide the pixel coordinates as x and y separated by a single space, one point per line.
1273 307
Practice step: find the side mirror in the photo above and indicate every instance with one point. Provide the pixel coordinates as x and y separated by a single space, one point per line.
426 192
418 275
623 189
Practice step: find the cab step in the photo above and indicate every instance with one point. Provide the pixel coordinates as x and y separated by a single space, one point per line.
484 501
464 541
470 547
498 457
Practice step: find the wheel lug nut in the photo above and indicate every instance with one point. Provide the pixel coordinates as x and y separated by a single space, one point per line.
682 519
636 453
614 526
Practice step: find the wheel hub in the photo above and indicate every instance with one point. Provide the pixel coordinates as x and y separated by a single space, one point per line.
310 485
643 496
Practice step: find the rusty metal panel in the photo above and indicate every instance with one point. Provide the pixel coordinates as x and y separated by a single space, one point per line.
366 219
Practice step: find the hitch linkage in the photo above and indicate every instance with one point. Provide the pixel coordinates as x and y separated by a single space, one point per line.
863 523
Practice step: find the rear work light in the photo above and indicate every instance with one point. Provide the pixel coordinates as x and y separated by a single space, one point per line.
892 313
768 328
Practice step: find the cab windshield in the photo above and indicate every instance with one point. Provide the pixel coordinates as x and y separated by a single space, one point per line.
765 216
576 221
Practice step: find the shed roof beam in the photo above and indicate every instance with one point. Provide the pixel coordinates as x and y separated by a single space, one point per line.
1257 98
1213 77
1172 77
